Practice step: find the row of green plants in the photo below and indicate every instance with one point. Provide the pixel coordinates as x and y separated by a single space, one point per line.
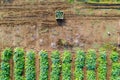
91 65
19 62
5 65
102 66
43 65
26 62
56 67
30 66
66 65
79 65
115 72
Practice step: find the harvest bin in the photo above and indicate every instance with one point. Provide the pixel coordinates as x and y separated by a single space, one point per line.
59 17
59 14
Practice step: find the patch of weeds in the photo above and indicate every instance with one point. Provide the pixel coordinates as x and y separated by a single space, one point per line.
71 1
77 11
108 46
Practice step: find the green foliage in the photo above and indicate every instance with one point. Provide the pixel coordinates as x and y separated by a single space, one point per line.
114 56
5 71
5 66
70 1
102 66
80 59
30 66
66 65
93 0
79 64
103 57
108 46
79 74
91 60
18 63
91 75
6 54
91 64
43 65
55 57
115 74
66 57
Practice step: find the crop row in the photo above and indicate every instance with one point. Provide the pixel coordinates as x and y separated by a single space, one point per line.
43 65
66 65
61 65
30 66
102 66
79 65
5 66
115 73
56 67
91 65
19 63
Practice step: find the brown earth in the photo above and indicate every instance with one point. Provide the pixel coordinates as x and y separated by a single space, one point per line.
32 25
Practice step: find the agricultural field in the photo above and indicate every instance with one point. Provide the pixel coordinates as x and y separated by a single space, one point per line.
59 39
89 65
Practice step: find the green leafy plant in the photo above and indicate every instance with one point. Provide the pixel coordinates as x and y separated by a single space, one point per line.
91 59
55 74
102 66
115 73
5 71
91 64
66 65
5 66
79 74
79 64
6 54
91 75
43 65
19 63
30 65
114 56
